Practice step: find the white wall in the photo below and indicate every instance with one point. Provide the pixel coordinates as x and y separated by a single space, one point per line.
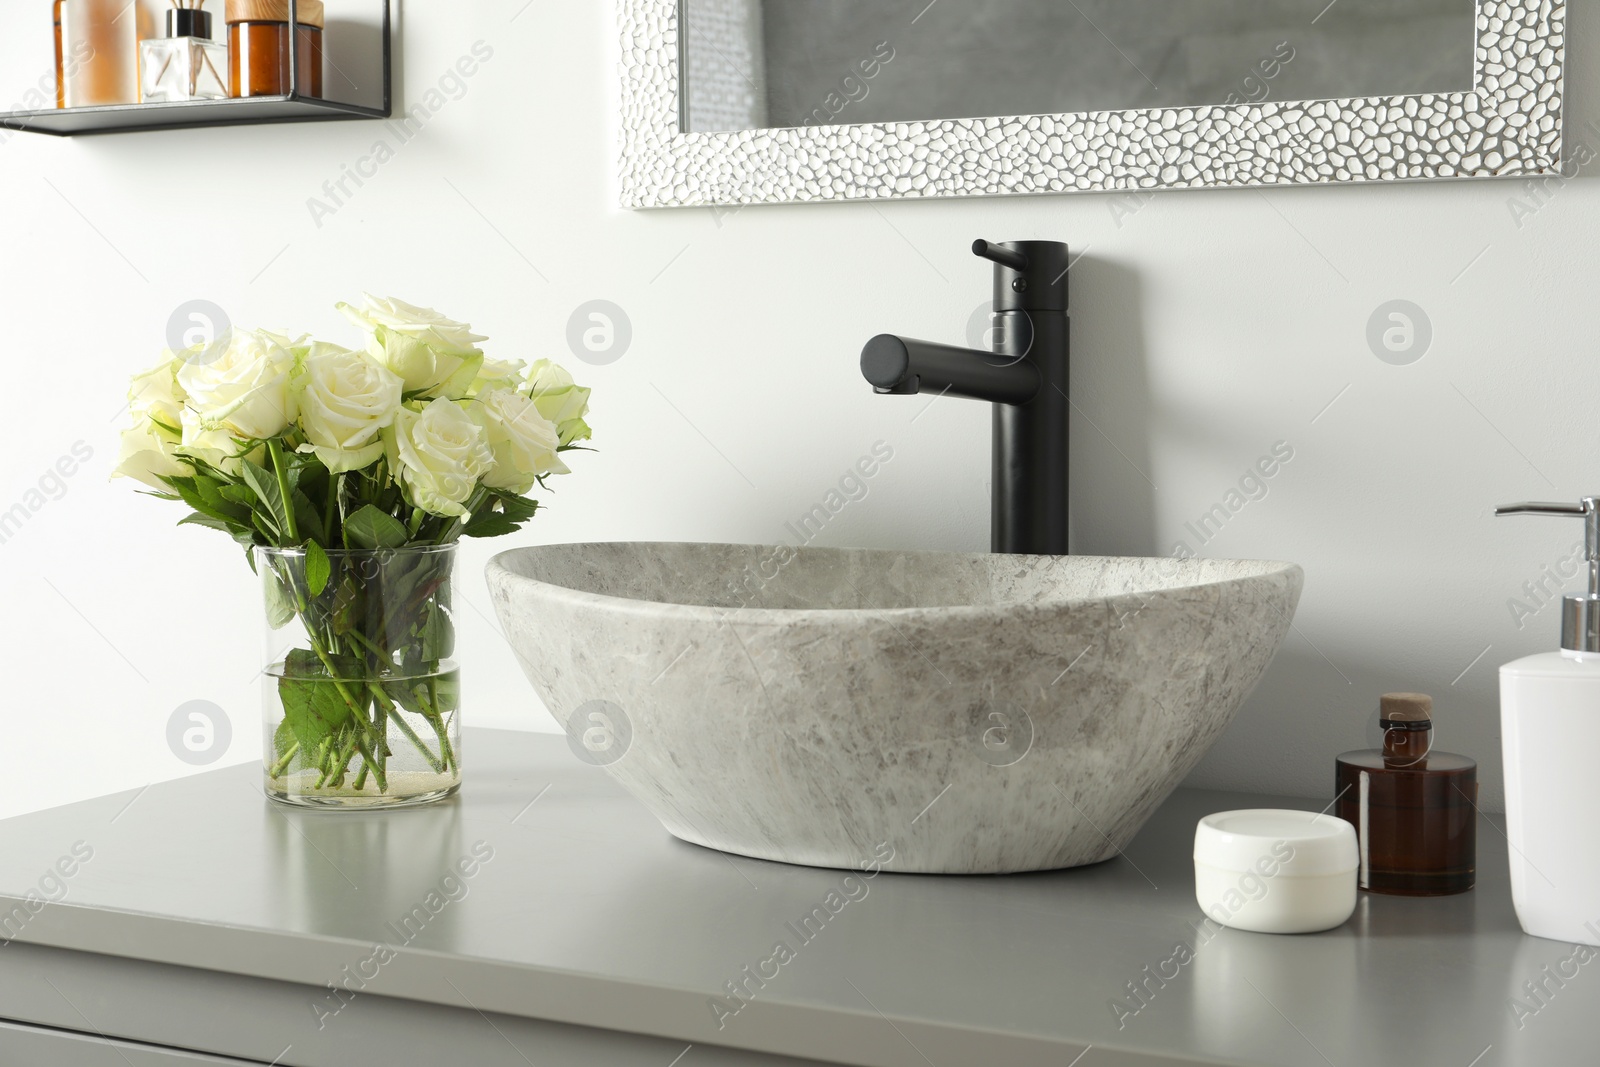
1207 327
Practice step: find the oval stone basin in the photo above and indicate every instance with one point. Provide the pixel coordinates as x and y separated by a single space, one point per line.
928 712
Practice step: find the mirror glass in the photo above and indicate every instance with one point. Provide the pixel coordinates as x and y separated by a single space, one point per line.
755 64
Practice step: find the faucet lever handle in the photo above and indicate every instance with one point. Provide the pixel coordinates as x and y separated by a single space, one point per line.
1003 256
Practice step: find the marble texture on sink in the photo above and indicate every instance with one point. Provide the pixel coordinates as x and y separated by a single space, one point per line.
964 713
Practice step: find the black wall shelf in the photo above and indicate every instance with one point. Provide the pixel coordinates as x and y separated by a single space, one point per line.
248 111
120 118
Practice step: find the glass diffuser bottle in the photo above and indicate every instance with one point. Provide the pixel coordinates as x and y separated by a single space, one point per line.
186 64
1414 809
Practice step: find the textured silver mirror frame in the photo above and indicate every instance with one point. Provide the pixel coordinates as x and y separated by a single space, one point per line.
1511 124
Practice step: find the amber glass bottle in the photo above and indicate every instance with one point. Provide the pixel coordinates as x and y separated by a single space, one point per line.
259 47
61 56
1414 809
97 52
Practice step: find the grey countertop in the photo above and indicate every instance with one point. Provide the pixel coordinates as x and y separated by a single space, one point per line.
580 909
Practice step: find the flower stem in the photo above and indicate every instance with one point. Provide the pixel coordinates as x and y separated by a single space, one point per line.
366 642
277 770
302 611
437 722
370 763
283 491
346 754
322 763
330 508
474 504
405 728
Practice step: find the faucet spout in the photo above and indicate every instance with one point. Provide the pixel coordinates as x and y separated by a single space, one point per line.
901 366
1025 380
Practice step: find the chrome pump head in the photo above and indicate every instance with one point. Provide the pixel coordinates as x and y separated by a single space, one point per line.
1580 614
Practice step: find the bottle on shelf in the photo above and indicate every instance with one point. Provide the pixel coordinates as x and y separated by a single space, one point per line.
259 46
186 64
97 52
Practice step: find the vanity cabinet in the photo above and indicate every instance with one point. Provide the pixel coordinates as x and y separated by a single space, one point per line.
544 917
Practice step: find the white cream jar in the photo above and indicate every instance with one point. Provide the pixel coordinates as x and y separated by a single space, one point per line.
1275 871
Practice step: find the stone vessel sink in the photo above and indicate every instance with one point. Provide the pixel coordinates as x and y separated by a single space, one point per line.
838 707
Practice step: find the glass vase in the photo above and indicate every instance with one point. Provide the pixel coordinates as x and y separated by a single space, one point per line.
360 695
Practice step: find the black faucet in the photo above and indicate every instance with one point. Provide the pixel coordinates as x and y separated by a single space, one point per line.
1025 378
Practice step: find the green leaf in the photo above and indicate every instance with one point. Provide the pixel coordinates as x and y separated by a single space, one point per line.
371 529
437 635
518 508
210 488
242 495
318 569
406 694
210 491
280 603
312 476
197 519
265 486
490 524
313 708
304 663
190 493
282 739
439 692
447 693
306 514
347 604
504 514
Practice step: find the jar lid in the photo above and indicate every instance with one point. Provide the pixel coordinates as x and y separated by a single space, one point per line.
1291 842
311 12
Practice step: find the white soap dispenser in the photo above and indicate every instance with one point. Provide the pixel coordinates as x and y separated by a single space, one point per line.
1550 729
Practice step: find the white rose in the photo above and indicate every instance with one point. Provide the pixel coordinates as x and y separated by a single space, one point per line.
431 353
439 453
497 374
523 441
241 386
156 394
146 455
346 400
559 399
210 444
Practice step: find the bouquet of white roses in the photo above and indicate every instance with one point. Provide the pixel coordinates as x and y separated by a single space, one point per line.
316 457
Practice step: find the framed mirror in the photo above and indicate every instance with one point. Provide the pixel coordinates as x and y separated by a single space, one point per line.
770 101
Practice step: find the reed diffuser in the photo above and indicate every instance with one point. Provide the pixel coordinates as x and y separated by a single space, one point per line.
186 64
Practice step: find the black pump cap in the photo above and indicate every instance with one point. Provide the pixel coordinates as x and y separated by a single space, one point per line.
188 22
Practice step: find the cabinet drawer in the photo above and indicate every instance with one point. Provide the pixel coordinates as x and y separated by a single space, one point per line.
26 1046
